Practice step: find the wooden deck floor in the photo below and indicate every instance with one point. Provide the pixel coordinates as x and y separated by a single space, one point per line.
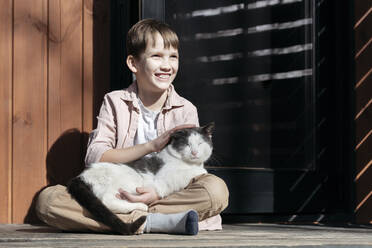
233 235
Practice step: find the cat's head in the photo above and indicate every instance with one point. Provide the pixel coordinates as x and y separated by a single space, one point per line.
193 145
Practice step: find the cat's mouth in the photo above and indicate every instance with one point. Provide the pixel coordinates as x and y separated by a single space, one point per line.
194 159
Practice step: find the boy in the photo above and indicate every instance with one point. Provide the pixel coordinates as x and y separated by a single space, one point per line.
133 123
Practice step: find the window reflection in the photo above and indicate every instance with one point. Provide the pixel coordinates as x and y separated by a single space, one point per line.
248 66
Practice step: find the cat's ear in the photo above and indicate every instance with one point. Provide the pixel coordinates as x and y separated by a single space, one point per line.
208 129
175 135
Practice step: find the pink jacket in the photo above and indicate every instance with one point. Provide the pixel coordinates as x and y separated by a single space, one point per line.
118 120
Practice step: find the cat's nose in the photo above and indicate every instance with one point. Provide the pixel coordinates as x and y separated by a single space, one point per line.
194 153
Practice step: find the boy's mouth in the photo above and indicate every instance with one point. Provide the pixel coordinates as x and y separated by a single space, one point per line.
163 75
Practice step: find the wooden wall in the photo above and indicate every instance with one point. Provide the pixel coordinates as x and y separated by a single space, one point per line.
363 110
50 91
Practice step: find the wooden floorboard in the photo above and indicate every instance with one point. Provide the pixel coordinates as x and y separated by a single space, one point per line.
233 235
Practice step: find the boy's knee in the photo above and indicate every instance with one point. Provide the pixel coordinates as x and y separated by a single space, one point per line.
45 201
217 190
41 207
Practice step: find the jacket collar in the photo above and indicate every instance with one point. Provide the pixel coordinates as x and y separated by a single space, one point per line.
173 99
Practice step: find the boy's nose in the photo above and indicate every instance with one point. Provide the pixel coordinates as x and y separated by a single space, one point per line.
165 66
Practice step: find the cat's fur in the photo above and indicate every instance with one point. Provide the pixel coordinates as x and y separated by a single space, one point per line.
168 171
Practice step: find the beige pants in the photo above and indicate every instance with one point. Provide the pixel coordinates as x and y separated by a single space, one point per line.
206 194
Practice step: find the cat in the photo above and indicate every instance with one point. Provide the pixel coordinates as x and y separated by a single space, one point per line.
167 171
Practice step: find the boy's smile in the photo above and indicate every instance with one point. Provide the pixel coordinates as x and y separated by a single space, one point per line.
157 66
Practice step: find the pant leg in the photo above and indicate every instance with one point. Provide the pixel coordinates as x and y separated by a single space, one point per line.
57 208
207 194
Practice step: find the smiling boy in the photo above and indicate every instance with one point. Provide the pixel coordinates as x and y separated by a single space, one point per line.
133 123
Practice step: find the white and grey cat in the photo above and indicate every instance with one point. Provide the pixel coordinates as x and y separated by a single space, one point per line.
168 171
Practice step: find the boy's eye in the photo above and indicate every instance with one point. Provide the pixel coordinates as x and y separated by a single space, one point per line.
155 55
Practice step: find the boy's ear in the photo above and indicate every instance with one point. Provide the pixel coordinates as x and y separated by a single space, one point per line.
131 63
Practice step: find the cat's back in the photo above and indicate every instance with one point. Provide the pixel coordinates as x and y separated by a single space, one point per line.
105 173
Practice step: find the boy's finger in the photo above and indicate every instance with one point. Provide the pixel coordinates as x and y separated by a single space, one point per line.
125 195
185 126
121 191
132 198
181 127
141 190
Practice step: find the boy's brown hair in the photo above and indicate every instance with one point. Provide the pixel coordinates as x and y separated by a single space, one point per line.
144 31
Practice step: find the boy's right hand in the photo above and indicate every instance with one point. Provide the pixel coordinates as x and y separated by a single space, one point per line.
145 195
159 143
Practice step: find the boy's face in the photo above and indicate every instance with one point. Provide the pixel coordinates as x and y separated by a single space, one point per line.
157 67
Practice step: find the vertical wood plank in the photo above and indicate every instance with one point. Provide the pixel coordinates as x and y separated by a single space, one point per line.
88 66
54 71
6 48
65 90
30 84
65 67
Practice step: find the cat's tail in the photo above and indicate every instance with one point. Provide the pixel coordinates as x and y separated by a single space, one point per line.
83 194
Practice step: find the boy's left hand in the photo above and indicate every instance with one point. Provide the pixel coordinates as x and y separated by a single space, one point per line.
159 143
145 195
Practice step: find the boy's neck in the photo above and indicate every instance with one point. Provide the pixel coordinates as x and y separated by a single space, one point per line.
152 100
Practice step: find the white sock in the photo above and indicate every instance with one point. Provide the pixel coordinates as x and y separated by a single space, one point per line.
180 223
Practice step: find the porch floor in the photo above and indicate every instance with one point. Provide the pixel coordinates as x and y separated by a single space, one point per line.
233 235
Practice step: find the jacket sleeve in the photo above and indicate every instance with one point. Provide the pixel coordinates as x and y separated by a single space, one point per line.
103 138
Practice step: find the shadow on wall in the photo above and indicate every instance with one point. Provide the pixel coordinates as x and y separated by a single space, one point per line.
65 160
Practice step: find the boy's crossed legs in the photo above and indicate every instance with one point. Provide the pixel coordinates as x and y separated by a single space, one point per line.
206 194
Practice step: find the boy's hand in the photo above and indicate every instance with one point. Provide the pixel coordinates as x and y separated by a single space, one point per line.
146 195
159 143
